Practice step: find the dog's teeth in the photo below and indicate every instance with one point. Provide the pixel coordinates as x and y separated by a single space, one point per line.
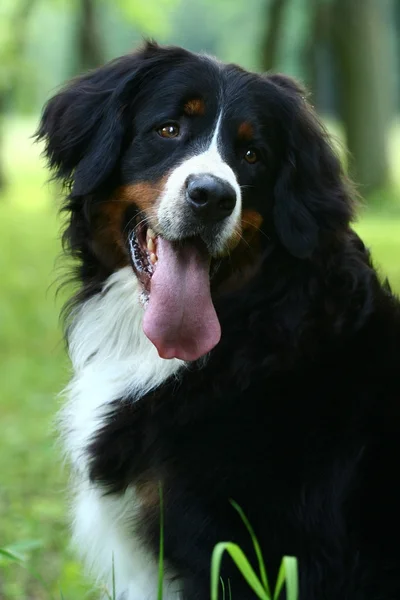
153 258
151 245
150 234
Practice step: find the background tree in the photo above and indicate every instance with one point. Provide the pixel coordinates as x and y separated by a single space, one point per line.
316 55
274 21
361 48
90 43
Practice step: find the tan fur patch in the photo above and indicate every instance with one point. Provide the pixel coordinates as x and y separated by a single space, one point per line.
195 107
109 241
245 131
251 222
143 194
244 253
247 229
148 493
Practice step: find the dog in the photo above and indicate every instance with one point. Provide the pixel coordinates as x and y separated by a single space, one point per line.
230 339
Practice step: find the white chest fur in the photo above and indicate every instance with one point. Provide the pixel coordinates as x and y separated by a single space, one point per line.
111 359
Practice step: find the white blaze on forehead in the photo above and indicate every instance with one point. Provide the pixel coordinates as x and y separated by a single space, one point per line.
208 161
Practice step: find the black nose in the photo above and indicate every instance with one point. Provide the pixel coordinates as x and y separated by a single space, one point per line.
210 198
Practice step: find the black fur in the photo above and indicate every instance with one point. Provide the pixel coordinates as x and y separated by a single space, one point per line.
295 414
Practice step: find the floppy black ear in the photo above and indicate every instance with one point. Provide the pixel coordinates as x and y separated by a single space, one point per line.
311 194
83 126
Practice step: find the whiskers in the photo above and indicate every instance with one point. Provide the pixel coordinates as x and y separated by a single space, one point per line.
144 221
257 229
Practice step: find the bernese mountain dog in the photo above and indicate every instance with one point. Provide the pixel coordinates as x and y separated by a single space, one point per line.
231 339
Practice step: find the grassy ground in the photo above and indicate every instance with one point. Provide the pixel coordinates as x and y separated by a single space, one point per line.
34 369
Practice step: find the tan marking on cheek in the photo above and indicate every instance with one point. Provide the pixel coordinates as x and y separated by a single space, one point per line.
244 253
246 131
251 222
108 218
144 195
195 107
108 242
247 229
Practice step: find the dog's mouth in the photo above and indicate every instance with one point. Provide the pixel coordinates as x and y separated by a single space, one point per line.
180 319
143 247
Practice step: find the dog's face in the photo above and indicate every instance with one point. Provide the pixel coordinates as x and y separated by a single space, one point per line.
185 168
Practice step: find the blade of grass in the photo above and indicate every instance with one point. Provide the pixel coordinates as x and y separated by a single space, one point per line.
223 588
161 551
241 563
257 548
25 547
114 593
106 592
13 556
288 575
21 561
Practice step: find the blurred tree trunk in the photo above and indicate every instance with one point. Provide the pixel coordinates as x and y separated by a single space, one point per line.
90 46
270 46
362 54
315 49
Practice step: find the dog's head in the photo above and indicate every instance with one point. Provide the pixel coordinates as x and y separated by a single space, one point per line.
179 165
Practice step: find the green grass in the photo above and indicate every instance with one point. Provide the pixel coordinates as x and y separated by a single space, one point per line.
258 582
382 236
34 369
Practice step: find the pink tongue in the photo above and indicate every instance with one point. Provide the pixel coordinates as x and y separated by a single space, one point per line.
180 319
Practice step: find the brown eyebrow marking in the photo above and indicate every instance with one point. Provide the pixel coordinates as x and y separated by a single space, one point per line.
195 107
245 131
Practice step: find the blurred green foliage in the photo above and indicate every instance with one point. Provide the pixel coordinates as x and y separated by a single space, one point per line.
41 42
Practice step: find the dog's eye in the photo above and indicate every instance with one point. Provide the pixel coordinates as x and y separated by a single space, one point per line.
251 156
170 130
